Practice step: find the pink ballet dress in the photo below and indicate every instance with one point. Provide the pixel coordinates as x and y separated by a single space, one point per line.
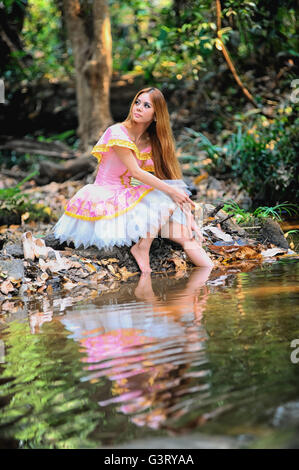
116 209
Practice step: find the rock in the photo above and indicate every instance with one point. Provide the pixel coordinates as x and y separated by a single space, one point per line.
52 242
13 249
287 415
271 232
227 226
231 227
190 186
218 233
13 268
161 250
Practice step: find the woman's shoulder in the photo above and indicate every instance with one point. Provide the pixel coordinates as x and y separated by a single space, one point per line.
117 130
113 133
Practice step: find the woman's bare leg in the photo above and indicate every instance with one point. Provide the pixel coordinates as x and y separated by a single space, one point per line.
140 251
180 234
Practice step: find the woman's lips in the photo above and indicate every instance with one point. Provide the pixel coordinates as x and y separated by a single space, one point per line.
137 115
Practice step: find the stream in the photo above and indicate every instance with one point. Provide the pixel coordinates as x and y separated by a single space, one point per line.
157 356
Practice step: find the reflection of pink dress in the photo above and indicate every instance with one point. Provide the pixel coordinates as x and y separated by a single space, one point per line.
114 210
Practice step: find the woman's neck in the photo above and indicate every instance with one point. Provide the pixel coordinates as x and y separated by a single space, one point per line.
136 131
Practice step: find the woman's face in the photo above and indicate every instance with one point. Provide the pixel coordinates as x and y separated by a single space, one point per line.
143 109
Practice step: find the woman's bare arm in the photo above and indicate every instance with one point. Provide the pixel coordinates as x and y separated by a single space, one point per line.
128 159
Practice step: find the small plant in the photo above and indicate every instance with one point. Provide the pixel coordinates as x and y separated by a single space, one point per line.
14 193
262 155
240 215
275 212
14 204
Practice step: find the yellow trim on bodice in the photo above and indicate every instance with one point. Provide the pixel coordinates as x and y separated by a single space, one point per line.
98 149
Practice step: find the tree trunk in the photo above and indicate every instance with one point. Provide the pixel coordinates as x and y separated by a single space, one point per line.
90 35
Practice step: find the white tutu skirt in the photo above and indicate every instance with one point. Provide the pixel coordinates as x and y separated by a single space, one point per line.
147 216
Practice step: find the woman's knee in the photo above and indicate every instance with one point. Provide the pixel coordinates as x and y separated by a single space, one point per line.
183 240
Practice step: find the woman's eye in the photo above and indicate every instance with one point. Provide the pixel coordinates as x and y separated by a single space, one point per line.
146 105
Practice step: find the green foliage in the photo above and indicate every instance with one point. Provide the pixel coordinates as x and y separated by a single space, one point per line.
166 41
274 212
240 215
14 203
45 53
14 192
263 155
8 4
151 39
68 137
267 23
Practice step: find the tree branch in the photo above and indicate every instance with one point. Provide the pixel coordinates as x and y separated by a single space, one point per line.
220 46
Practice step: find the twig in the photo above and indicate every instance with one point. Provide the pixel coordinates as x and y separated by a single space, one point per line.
221 46
226 218
13 48
12 174
214 211
40 148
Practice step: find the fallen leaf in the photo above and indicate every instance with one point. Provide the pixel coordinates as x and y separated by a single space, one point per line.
179 263
125 274
218 233
236 252
70 285
273 252
25 216
90 267
6 287
44 276
10 306
101 275
104 262
111 269
42 288
3 228
201 177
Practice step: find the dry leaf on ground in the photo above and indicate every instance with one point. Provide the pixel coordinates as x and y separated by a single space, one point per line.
235 252
6 287
179 263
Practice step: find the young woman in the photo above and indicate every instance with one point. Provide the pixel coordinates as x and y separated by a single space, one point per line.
117 209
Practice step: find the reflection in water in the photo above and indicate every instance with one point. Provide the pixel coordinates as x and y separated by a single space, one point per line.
147 353
161 354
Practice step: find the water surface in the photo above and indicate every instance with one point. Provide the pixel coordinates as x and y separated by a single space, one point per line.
155 356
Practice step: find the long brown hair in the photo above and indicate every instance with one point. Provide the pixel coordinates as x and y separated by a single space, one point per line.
160 133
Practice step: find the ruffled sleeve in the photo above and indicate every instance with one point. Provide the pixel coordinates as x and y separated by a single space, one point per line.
116 136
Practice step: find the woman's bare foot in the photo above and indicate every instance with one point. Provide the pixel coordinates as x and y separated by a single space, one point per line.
142 258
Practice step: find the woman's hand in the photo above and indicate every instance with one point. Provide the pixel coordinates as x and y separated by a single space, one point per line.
180 197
